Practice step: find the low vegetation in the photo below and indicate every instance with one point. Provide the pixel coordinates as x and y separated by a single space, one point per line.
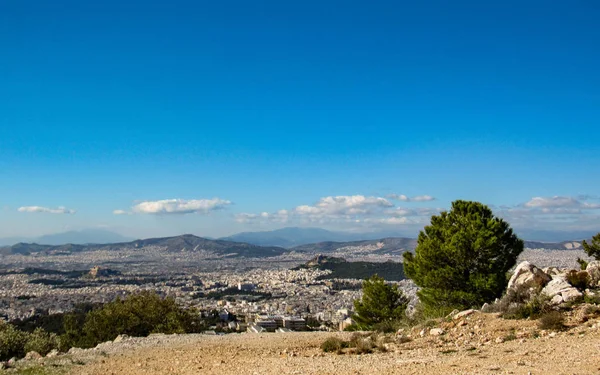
17 343
136 315
553 320
359 343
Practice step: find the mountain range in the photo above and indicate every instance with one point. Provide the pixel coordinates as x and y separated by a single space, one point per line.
294 236
191 243
80 237
183 243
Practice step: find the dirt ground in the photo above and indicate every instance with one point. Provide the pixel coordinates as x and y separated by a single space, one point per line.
478 344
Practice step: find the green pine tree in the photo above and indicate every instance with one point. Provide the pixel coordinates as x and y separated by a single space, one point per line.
380 303
593 249
462 258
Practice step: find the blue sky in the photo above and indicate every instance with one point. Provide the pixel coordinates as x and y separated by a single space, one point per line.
218 117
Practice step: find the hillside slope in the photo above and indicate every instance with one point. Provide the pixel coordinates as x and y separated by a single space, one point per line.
183 243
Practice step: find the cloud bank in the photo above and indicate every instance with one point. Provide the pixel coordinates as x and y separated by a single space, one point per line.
176 206
40 209
355 210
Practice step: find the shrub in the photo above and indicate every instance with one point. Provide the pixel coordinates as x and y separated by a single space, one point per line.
41 341
462 258
579 279
582 263
381 304
536 306
16 343
332 344
553 320
12 342
363 346
137 315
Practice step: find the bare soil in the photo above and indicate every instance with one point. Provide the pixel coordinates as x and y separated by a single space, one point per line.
477 344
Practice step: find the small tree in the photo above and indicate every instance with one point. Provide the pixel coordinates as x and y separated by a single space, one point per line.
381 303
462 257
593 249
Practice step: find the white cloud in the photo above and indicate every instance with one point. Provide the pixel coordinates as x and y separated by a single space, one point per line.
344 210
344 205
561 205
178 206
121 212
39 209
555 201
418 198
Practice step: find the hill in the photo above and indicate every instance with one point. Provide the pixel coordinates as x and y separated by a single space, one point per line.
564 245
294 236
342 269
390 245
79 237
183 243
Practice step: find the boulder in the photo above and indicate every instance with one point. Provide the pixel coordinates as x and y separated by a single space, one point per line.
527 276
32 355
436 332
552 271
121 338
559 286
52 353
593 270
463 314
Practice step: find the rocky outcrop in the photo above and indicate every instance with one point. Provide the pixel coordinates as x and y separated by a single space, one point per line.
559 290
593 270
528 276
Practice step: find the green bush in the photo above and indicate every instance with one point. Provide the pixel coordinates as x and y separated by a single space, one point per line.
17 343
536 306
137 315
12 342
381 304
41 341
462 257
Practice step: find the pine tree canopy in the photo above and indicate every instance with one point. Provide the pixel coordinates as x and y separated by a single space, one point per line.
462 257
593 249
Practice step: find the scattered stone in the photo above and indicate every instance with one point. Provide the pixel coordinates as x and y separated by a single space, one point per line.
53 353
121 338
463 314
436 332
499 340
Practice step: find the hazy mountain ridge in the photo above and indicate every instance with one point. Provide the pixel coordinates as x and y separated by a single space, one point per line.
79 237
186 242
296 236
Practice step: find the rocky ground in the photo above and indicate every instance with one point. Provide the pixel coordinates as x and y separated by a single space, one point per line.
477 343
